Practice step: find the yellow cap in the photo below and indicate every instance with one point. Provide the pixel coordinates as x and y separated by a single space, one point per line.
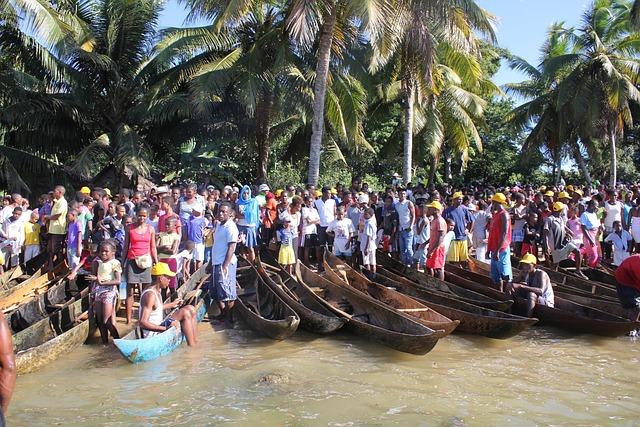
579 192
542 188
318 193
107 192
279 192
563 195
529 259
457 195
85 190
499 198
569 187
558 206
549 193
435 205
162 269
334 191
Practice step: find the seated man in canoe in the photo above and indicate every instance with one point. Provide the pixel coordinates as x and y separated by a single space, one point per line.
534 285
628 287
151 315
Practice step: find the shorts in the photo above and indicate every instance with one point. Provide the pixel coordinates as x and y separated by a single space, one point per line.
528 248
501 268
369 259
629 297
165 323
198 252
337 252
562 254
420 255
224 288
311 241
436 260
105 294
458 251
517 236
73 258
388 245
322 236
250 238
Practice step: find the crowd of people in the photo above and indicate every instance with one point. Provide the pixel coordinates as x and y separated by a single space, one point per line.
134 238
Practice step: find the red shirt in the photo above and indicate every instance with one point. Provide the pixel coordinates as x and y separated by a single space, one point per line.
628 273
495 232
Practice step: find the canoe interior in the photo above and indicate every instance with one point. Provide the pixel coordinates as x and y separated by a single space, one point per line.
17 274
39 282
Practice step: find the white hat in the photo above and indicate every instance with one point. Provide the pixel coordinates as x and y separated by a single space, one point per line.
395 175
210 187
198 208
363 198
162 189
263 187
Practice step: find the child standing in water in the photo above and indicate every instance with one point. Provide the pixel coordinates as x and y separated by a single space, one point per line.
286 256
106 276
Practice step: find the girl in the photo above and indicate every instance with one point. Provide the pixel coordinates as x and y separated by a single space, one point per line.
286 257
422 239
247 213
167 243
106 275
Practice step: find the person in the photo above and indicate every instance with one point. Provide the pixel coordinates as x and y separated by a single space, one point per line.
621 241
167 243
634 217
531 237
435 253
151 313
32 237
449 236
591 229
248 217
186 206
534 285
406 219
461 217
558 239
57 225
106 276
183 261
294 212
628 286
368 240
167 208
479 230
326 207
195 233
389 223
208 236
423 227
138 255
518 219
343 231
13 234
286 256
613 209
8 371
499 242
269 217
74 239
85 217
310 221
224 260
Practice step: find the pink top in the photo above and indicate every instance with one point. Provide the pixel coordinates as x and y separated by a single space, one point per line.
574 225
139 244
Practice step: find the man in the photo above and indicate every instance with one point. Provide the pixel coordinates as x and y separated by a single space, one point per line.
151 315
498 244
557 237
460 215
13 237
436 253
628 287
224 260
406 219
343 231
534 285
57 225
7 368
326 207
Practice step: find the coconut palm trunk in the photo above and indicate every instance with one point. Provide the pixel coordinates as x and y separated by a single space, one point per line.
319 93
581 163
407 160
614 158
263 117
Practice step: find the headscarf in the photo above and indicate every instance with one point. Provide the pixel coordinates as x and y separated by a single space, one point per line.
251 215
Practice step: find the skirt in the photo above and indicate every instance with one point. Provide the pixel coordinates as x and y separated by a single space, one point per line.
135 274
286 255
250 238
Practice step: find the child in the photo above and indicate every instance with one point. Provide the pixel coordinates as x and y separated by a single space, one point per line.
573 224
209 232
106 276
422 239
286 257
85 217
154 217
167 243
621 241
183 262
531 235
74 239
368 240
195 233
32 237
343 231
449 235
12 234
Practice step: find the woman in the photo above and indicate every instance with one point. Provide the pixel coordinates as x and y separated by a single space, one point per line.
247 213
185 207
139 255
634 219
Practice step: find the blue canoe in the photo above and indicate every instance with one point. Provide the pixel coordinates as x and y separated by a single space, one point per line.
137 350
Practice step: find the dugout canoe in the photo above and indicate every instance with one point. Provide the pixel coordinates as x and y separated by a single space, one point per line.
341 274
473 319
369 318
53 336
314 317
261 309
137 349
21 272
433 283
38 283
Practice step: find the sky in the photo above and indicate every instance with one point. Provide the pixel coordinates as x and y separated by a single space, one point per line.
521 27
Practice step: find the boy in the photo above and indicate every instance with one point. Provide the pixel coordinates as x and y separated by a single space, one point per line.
208 237
422 238
368 241
74 239
183 260
195 233
621 242
154 217
32 237
342 230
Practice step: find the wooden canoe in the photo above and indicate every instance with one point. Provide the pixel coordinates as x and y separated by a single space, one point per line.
315 318
261 309
473 319
51 337
137 349
341 274
38 283
21 272
433 283
369 318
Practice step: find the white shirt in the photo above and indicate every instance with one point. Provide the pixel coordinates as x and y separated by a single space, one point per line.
620 246
589 220
343 228
225 233
613 213
370 232
326 211
309 215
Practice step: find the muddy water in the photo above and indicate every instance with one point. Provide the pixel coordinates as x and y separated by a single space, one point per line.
539 378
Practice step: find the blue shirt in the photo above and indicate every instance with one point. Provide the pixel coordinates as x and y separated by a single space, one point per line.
195 230
461 217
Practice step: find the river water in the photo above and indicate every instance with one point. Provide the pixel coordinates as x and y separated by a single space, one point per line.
541 377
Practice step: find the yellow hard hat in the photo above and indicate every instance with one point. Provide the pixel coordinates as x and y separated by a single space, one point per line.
85 190
529 259
457 195
279 192
435 205
107 192
579 192
499 198
162 269
563 195
569 187
318 193
549 193
558 206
